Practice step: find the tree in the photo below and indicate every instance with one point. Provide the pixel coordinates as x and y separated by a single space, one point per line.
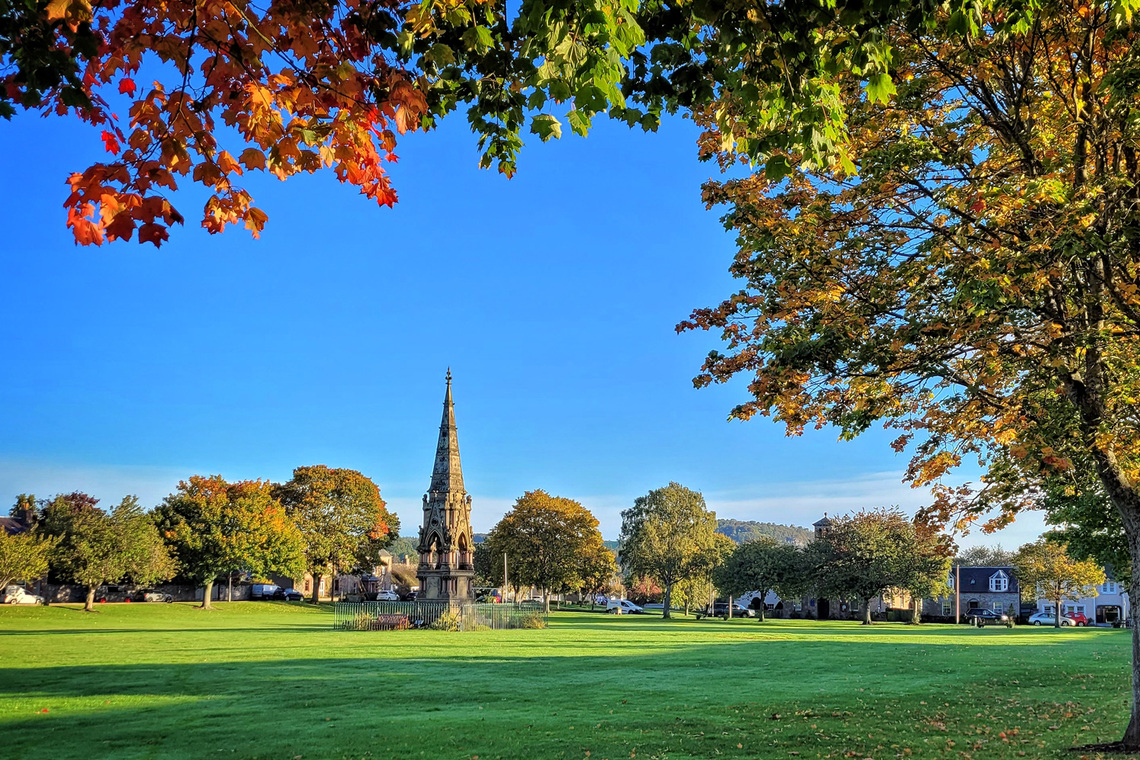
23 556
93 547
548 540
957 259
759 565
1045 569
864 555
338 512
217 528
289 87
985 556
668 535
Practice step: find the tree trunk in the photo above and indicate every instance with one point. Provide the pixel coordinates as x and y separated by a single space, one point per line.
916 611
668 599
89 605
1057 612
208 593
546 600
867 612
760 610
316 587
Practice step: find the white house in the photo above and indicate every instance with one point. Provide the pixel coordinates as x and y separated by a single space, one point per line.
1110 604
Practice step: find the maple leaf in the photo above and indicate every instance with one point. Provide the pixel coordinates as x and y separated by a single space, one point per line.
126 86
110 142
153 233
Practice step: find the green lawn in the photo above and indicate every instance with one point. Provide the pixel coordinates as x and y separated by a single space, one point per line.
271 680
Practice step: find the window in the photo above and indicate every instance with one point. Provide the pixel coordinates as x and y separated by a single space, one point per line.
999 581
997 607
1110 587
947 609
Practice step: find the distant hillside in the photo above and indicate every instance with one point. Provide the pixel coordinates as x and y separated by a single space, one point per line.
748 530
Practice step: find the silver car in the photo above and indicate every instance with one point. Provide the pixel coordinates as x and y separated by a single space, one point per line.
1048 618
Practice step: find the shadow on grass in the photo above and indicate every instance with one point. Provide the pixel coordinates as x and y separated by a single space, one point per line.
505 703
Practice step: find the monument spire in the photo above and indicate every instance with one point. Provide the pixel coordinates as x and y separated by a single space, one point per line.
447 473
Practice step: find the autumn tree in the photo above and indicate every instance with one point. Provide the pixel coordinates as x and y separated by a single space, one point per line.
23 556
956 255
668 535
285 87
759 565
1045 569
549 541
340 515
216 528
92 547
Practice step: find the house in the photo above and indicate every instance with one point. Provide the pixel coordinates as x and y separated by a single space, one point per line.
991 588
1109 606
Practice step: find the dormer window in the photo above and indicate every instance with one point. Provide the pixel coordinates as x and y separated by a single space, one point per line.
999 582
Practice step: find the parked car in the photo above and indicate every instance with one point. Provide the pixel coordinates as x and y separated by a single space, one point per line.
720 610
982 617
623 607
288 595
1048 618
1078 618
157 596
387 595
264 590
410 596
17 595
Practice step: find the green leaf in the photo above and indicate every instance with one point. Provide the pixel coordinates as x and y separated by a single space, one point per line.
880 88
546 126
579 122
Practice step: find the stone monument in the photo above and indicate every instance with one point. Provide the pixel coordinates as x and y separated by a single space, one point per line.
446 570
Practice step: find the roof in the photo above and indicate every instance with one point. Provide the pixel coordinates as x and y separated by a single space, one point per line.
11 525
824 523
978 579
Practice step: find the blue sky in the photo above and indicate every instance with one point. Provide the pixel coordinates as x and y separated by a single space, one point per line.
552 296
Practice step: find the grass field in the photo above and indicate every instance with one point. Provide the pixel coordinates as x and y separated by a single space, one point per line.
271 680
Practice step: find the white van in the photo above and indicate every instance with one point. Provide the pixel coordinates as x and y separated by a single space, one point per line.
623 607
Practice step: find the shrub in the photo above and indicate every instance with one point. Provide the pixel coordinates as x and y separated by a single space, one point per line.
534 620
448 621
793 615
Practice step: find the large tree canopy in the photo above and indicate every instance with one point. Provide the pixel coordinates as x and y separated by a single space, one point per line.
92 547
669 535
216 528
551 542
972 277
342 518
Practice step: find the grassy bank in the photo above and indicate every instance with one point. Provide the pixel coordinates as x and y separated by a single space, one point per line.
271 680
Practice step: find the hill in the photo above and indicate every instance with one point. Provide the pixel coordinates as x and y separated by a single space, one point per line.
749 530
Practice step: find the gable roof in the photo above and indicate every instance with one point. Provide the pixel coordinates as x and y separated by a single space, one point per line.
977 579
12 526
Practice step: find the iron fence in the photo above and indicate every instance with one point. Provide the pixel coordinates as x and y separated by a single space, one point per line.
397 616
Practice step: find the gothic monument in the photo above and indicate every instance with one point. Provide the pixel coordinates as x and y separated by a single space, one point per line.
446 571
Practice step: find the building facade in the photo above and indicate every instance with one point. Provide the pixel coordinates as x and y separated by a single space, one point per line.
990 588
446 571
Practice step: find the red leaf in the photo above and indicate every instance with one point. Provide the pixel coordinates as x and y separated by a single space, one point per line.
127 86
110 142
153 233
